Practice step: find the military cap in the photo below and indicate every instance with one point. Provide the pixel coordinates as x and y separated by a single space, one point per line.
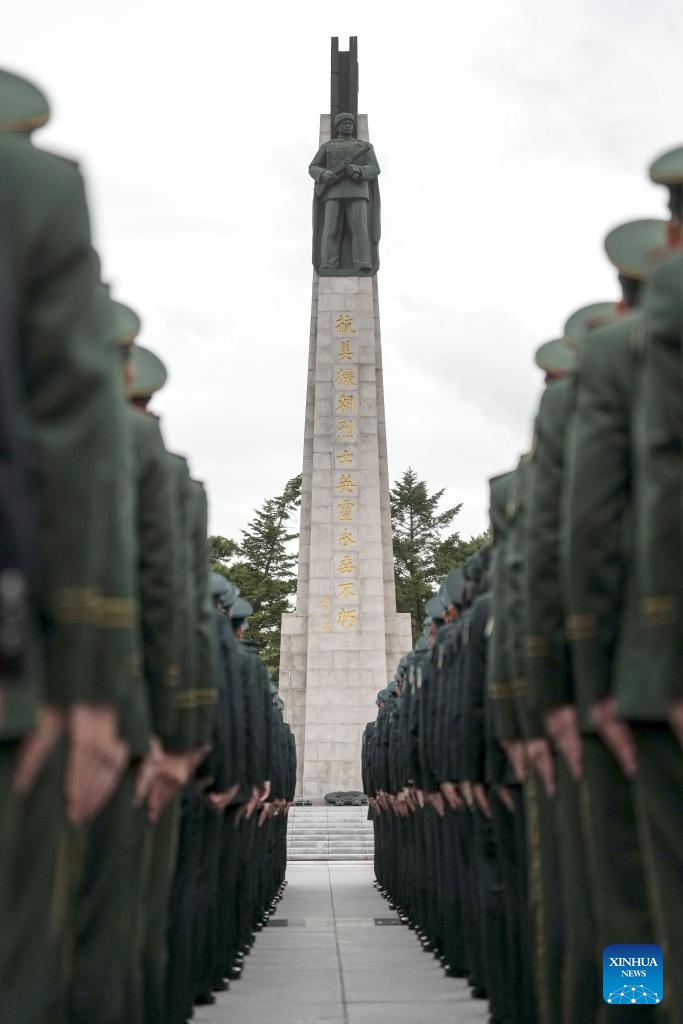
218 585
383 697
586 319
485 557
241 609
222 590
422 644
125 322
343 117
23 106
556 356
435 608
150 373
455 585
393 686
667 169
472 568
634 246
230 595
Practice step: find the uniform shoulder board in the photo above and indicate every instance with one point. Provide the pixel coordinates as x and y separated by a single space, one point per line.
488 632
418 679
439 657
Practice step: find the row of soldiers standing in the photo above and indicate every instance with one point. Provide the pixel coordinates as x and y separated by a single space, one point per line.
525 771
145 768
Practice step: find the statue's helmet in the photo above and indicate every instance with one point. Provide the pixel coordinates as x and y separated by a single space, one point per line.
343 117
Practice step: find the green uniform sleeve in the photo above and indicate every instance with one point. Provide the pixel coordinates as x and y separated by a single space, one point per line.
156 573
547 657
181 672
205 693
501 682
75 408
659 482
597 538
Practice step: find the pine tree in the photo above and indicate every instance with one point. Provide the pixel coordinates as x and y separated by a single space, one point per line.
263 566
423 551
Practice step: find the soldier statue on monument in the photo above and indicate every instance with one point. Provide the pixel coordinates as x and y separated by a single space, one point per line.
346 205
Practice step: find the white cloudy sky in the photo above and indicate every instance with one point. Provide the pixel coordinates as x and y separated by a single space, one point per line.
511 135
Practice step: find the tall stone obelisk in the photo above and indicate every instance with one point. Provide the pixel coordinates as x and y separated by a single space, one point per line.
345 638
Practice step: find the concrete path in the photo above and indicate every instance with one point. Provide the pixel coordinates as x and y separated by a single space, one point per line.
329 957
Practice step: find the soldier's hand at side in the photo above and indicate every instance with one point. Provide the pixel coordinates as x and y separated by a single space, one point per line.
541 758
265 791
562 725
35 747
467 793
150 769
219 801
481 799
250 806
616 735
514 751
96 761
453 798
437 802
506 798
354 171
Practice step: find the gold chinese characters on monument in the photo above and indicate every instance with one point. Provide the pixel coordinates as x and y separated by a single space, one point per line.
339 611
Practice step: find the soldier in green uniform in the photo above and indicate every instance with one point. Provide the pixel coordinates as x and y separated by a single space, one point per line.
75 413
174 752
606 638
513 805
553 684
655 712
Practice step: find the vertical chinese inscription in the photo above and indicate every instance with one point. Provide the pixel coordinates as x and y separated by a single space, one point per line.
345 411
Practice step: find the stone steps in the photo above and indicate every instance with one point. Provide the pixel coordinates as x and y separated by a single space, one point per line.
330 833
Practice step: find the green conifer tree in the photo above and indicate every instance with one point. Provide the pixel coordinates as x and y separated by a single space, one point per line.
424 552
263 566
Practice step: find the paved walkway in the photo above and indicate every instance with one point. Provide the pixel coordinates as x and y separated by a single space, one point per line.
324 959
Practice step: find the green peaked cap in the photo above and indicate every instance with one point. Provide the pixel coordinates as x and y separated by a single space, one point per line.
121 324
632 246
23 106
667 169
587 318
241 609
127 324
223 590
556 356
150 373
435 608
455 585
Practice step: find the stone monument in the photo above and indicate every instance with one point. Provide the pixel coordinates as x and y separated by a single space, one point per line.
345 638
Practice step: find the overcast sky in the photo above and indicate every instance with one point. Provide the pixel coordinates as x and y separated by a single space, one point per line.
511 135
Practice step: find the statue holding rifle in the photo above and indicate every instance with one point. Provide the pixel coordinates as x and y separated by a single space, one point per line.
346 207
